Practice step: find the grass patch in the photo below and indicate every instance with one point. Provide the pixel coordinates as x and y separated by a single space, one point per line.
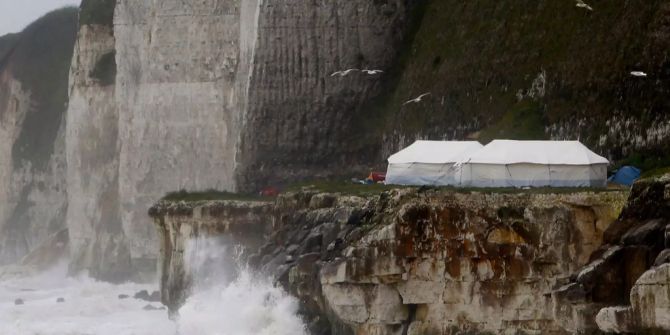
97 12
342 187
364 190
655 173
646 161
105 69
208 195
523 122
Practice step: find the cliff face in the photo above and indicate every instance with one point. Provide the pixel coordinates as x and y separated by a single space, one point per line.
405 262
626 288
300 120
207 94
237 95
33 99
98 242
535 69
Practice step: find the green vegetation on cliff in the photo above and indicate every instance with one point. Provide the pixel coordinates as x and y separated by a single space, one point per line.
40 60
105 69
531 69
97 12
192 196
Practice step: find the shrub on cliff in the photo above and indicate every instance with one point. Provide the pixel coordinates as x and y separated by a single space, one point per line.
97 12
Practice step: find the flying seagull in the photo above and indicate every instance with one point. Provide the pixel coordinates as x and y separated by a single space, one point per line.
373 72
343 73
417 99
638 74
582 4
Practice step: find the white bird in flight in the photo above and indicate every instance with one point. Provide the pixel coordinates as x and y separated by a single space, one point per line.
638 74
343 73
417 99
373 72
582 4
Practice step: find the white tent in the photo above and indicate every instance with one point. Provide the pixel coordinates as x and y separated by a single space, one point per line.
428 163
505 163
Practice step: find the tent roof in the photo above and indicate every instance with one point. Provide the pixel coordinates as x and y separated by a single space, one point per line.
435 152
535 152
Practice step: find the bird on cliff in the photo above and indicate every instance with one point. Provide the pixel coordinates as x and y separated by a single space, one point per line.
638 74
417 99
582 4
343 73
372 72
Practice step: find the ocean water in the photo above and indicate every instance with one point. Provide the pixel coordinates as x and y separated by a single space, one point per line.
240 304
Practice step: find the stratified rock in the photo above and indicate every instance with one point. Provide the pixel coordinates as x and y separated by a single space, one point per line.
626 284
419 263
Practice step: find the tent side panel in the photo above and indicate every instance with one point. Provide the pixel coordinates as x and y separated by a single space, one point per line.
536 175
421 174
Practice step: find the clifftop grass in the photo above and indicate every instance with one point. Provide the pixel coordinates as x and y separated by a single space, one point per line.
208 195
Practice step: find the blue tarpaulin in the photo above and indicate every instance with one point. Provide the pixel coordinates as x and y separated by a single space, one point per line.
626 175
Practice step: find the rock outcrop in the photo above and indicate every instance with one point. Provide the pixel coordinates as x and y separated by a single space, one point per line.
414 262
626 285
33 98
184 228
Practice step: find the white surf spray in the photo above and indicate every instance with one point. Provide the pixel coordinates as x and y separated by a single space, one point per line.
89 307
233 301
227 300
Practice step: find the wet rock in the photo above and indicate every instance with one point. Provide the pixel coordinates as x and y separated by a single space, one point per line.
153 308
155 296
650 233
620 319
312 243
322 200
662 258
570 293
292 249
60 300
18 302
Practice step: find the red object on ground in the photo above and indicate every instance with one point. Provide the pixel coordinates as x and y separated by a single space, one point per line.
269 192
377 176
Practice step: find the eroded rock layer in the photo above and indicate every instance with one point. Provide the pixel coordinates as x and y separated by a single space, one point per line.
626 285
408 262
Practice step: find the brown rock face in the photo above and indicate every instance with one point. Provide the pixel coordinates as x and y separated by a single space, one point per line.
629 276
404 262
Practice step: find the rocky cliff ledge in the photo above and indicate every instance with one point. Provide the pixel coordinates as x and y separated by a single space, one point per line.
407 261
628 281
